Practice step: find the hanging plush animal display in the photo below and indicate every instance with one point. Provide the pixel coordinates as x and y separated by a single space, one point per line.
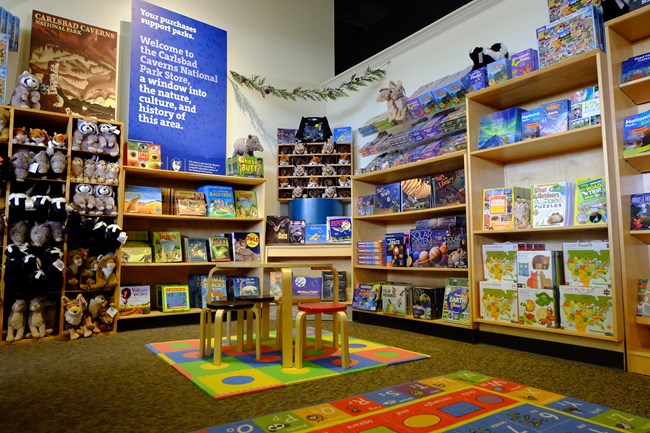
482 56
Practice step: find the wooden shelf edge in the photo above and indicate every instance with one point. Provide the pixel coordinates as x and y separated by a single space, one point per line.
415 214
637 90
189 218
411 269
171 264
308 251
407 171
642 320
410 317
185 175
543 229
548 330
156 313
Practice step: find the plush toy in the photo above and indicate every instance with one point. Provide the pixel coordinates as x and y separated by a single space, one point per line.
344 181
56 227
107 139
298 192
18 203
313 182
58 162
83 198
43 161
73 313
21 160
482 56
299 148
344 159
58 141
4 126
101 168
26 94
52 265
40 234
113 173
87 272
284 182
105 199
395 97
40 208
330 192
35 321
16 323
20 136
284 160
328 170
90 166
75 261
37 136
105 275
299 171
58 210
328 147
315 160
77 169
85 136
19 232
247 146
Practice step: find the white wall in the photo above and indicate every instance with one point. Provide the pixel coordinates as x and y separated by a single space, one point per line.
290 42
440 49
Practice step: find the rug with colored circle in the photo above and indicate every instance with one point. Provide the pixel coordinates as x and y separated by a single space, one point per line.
462 402
241 373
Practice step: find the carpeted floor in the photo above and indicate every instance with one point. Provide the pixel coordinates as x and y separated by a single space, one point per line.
115 384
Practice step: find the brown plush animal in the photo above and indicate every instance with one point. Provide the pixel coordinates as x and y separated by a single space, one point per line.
87 273
105 275
75 261
4 126
73 310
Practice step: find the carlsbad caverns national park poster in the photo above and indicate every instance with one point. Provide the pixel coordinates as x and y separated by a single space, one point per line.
77 64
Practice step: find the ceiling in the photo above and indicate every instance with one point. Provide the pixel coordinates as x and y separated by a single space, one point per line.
363 28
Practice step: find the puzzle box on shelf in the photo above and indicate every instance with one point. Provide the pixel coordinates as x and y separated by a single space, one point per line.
395 299
500 261
586 263
585 107
499 128
537 307
539 269
587 310
554 117
367 296
523 62
245 166
142 154
498 301
388 198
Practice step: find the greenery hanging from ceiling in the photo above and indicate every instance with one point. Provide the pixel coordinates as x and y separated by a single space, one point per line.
258 83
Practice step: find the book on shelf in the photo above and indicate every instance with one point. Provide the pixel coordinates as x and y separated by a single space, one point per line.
586 309
175 298
587 263
538 307
449 187
585 107
219 247
636 133
427 248
551 204
167 247
275 284
220 200
395 298
142 199
277 229
456 306
243 286
316 233
134 299
339 229
388 198
426 302
327 292
640 211
643 306
136 252
397 253
200 292
190 203
245 246
167 194
246 204
297 229
539 269
306 286
500 261
343 134
590 201
366 205
367 296
498 301
196 249
416 193
504 208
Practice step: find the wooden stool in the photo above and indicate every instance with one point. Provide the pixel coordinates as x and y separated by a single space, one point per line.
263 303
222 308
339 329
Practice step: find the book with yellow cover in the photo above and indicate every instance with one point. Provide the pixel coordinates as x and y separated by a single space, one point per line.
175 298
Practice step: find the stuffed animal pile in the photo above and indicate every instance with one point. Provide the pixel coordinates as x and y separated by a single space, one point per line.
27 92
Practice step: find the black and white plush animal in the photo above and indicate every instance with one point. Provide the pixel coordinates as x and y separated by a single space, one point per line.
481 56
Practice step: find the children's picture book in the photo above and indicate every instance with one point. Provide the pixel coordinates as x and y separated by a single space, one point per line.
167 247
136 252
505 208
199 284
416 193
590 201
57 48
190 203
585 107
367 296
537 269
196 249
537 307
396 249
327 292
143 199
456 307
395 299
586 309
297 231
220 200
245 246
243 286
343 134
640 211
388 198
134 299
286 135
586 263
427 248
275 284
316 233
219 248
175 298
339 229
246 204
530 124
636 134
366 205
500 261
554 117
277 229
449 187
498 301
643 306
552 204
307 286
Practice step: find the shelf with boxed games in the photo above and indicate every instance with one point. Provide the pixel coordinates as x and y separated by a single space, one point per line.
187 218
415 214
449 161
628 36
562 155
307 250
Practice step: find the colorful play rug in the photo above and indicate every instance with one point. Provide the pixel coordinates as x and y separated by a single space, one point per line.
464 402
240 373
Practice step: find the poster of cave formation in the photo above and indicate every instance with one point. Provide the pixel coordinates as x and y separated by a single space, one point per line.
77 63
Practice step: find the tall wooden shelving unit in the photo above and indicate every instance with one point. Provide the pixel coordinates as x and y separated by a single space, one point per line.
565 156
192 226
627 36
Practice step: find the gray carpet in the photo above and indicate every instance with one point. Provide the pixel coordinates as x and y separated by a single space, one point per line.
115 384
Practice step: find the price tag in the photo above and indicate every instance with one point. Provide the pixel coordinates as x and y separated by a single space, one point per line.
112 311
122 237
59 264
33 167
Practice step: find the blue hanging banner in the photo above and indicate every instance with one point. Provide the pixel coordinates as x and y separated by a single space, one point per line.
177 91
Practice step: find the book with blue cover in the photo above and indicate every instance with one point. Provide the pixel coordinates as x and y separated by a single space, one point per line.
220 200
